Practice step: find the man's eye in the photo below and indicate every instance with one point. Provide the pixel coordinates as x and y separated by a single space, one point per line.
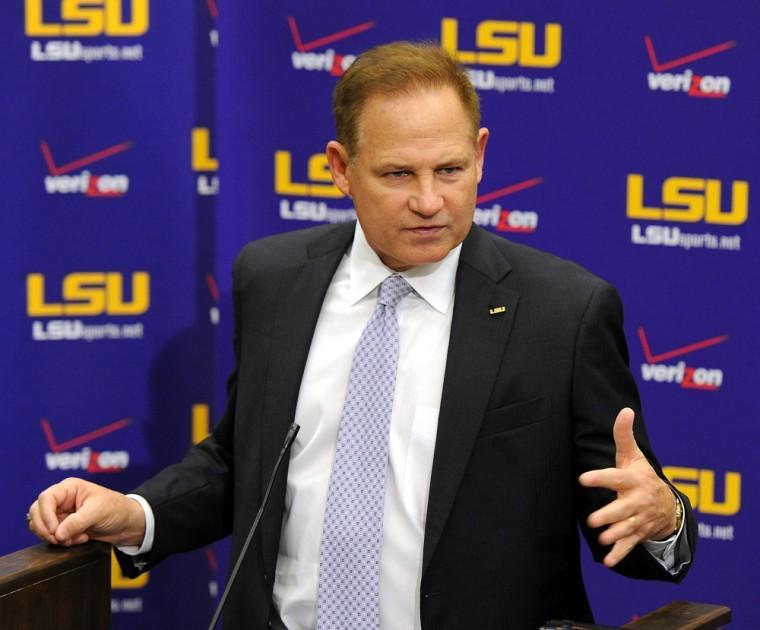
397 174
449 170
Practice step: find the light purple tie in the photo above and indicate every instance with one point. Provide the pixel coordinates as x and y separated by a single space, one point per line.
352 533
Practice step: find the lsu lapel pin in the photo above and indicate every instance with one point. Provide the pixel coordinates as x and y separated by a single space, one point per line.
497 309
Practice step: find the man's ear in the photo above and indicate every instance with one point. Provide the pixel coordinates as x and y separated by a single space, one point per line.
338 161
480 156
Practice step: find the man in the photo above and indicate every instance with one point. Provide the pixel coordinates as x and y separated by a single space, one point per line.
506 427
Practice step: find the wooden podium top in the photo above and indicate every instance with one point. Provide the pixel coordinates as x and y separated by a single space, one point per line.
42 561
56 587
683 616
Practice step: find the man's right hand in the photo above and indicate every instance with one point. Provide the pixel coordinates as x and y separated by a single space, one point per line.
74 511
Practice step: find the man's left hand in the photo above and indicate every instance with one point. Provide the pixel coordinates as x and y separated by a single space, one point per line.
644 508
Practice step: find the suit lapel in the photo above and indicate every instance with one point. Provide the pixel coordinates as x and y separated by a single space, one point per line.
483 315
301 293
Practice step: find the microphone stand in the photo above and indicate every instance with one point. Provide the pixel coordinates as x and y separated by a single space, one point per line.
289 439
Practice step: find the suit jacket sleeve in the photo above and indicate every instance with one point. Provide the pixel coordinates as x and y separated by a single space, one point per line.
192 501
602 383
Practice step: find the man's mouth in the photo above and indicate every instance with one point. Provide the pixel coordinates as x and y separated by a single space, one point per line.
426 230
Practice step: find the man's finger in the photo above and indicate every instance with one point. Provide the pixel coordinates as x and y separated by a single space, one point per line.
610 478
37 525
626 448
58 497
620 529
620 550
77 540
613 512
48 509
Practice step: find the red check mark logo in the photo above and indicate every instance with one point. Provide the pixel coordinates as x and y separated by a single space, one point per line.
682 61
53 169
213 288
302 46
57 447
676 352
509 190
213 564
504 224
212 8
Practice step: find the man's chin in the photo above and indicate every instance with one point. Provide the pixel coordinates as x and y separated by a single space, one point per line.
416 259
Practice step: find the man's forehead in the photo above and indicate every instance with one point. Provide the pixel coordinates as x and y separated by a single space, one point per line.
383 114
407 96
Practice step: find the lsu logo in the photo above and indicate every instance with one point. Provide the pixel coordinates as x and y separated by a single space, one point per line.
318 185
87 18
200 422
202 161
505 43
689 200
319 182
121 581
699 486
89 294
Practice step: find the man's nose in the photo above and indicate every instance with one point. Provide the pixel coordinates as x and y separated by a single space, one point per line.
426 200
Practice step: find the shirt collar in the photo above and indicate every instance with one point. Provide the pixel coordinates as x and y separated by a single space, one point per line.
433 282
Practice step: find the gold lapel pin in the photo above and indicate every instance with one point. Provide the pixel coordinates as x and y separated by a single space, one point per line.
497 309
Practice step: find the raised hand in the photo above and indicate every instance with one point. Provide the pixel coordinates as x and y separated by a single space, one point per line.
645 505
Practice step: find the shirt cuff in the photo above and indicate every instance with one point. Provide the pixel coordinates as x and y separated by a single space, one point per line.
672 553
150 529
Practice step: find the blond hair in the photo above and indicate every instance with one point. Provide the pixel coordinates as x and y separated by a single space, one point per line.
398 68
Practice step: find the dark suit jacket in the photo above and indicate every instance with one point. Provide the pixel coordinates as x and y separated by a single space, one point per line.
529 398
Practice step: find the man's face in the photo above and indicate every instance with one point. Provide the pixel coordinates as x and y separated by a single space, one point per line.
414 177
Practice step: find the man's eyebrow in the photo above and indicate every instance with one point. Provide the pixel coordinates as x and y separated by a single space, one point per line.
449 162
394 166
461 160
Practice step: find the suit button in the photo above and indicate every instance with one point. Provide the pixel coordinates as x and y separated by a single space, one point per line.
266 578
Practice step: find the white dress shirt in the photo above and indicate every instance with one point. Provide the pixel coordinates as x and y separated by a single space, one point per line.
424 324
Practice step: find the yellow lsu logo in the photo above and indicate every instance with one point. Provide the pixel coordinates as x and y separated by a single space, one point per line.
318 173
689 199
202 160
120 581
506 43
89 293
88 18
200 422
699 486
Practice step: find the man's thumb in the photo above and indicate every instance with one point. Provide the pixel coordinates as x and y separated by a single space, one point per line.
71 527
625 444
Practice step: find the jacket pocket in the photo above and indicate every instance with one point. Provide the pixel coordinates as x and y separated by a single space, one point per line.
516 415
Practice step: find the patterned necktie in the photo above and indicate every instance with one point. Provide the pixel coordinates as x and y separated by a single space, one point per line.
352 533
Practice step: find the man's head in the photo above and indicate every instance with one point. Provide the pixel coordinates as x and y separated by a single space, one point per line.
394 69
409 150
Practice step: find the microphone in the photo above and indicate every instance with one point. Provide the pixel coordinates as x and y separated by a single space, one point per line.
289 439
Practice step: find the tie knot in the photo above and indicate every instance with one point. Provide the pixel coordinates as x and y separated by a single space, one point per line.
392 290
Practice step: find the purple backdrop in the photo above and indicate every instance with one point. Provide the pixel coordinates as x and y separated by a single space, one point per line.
622 136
